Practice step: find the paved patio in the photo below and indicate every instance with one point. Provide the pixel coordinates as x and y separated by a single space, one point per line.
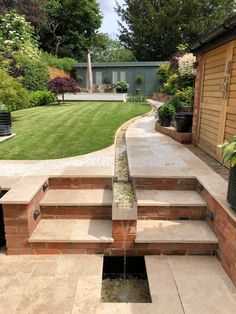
152 154
100 163
72 284
95 97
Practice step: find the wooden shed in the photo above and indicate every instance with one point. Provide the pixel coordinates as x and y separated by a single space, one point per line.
215 89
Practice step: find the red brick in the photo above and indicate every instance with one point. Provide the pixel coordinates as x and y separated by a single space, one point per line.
47 251
73 251
19 251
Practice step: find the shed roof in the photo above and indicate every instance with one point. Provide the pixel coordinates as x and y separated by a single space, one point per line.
218 36
122 64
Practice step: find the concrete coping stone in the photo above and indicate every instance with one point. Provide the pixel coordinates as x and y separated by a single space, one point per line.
24 190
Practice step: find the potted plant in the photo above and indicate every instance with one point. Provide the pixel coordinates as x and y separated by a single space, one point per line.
121 87
139 80
166 114
183 102
229 155
5 121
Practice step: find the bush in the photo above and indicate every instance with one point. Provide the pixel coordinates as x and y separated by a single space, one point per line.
34 74
41 98
171 86
121 85
139 80
140 98
12 93
163 73
65 64
167 111
183 98
62 85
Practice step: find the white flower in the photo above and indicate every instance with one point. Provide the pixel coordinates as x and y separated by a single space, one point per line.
186 65
8 42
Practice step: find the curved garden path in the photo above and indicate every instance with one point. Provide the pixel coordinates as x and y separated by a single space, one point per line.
97 163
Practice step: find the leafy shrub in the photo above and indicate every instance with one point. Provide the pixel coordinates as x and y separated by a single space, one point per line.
62 85
3 108
140 98
139 80
12 93
122 85
172 84
163 73
34 74
229 151
65 64
166 111
183 97
41 98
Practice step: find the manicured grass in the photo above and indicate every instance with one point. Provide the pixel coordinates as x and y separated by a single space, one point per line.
66 130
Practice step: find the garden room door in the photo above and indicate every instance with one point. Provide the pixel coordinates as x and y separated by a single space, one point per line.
217 114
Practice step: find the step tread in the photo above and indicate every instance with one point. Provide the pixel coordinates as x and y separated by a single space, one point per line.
73 230
166 231
169 198
94 197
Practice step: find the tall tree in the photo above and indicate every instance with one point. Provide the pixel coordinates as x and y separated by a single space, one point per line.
106 49
71 27
153 28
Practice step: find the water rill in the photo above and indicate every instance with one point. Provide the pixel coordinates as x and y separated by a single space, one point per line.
124 277
135 283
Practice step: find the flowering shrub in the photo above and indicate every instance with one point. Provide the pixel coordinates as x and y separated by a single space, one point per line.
16 35
187 65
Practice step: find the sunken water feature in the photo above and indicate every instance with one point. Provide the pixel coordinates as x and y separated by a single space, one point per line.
125 282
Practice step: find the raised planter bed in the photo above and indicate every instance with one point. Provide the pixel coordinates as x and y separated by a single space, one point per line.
177 136
161 97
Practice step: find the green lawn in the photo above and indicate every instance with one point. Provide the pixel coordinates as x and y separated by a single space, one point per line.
66 130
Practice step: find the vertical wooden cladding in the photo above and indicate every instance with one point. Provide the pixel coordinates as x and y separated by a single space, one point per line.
230 122
217 113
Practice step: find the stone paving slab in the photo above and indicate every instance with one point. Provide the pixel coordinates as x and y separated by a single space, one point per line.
77 197
96 164
24 190
171 231
73 230
95 97
152 154
71 284
169 198
4 138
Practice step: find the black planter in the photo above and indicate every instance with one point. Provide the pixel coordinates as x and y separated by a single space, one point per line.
231 196
5 124
184 121
165 121
121 90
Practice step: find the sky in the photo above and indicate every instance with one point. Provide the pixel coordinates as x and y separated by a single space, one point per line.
110 24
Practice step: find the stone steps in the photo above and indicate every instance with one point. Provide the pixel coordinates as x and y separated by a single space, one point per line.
175 237
170 204
71 236
77 204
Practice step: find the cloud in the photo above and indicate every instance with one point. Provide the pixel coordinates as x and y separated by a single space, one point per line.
110 24
108 6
